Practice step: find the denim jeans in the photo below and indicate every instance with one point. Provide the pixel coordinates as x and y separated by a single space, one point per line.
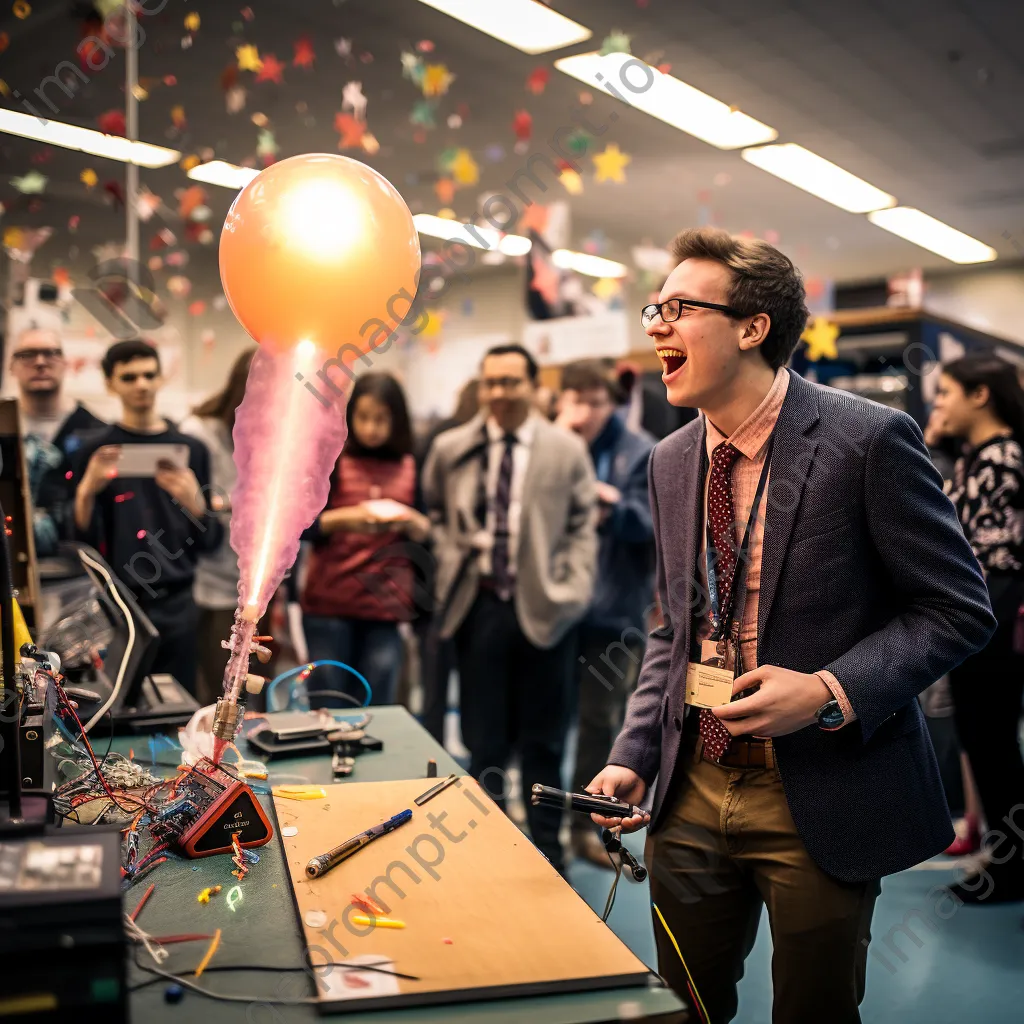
372 648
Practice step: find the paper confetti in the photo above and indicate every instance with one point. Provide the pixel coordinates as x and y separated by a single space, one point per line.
352 98
271 70
304 56
248 58
343 47
88 178
436 80
611 164
820 337
538 80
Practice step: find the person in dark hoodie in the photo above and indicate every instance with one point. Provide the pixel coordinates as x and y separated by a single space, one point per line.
150 529
53 429
613 634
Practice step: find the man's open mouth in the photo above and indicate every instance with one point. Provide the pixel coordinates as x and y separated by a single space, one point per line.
671 360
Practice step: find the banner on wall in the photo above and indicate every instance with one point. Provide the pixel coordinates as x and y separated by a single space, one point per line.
565 339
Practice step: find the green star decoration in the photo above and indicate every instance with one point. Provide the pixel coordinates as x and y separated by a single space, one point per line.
423 114
32 183
616 42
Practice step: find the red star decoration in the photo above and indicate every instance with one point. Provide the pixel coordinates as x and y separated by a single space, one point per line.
304 55
522 124
538 80
545 280
112 123
271 71
350 129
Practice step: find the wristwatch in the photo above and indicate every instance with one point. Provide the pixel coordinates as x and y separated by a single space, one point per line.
830 715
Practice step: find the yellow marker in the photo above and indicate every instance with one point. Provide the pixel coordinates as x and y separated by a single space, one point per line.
255 775
377 922
300 792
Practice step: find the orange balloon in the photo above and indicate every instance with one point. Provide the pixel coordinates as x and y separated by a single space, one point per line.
319 248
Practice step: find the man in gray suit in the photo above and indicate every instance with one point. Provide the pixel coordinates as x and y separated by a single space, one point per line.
777 707
513 502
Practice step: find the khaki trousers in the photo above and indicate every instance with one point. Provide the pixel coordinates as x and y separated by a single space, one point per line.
728 847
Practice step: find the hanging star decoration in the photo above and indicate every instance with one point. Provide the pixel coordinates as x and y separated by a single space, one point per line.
350 129
271 71
112 123
465 168
444 189
537 80
235 99
412 68
343 47
606 288
248 58
571 181
88 178
522 125
423 114
189 199
266 145
192 22
304 55
436 80
370 144
820 336
611 164
146 204
434 323
352 98
178 117
615 42
30 184
545 280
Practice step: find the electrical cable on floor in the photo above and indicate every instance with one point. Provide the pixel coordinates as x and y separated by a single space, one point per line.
691 985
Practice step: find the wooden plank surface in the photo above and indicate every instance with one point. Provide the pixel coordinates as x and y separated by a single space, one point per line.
486 915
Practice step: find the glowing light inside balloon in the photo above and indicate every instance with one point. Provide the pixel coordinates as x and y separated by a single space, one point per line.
323 220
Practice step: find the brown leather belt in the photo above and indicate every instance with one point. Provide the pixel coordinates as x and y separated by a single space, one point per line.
742 753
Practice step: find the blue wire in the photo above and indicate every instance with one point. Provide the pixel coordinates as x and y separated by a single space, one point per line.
313 665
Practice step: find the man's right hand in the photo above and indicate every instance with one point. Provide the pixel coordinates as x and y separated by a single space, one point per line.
625 785
102 468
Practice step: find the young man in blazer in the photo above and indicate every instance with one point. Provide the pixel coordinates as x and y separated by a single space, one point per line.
513 501
777 706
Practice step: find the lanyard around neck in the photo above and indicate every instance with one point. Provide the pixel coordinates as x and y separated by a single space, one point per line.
722 624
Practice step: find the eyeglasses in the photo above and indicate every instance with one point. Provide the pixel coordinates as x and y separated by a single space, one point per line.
672 309
131 378
30 355
505 383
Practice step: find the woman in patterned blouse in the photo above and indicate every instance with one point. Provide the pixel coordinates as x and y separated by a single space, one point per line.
980 401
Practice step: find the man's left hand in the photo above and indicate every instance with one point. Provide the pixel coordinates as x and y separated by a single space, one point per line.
183 487
785 702
607 494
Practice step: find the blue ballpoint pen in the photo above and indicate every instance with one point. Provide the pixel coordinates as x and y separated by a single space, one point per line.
322 864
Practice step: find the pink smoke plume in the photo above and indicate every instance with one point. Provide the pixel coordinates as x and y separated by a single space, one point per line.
287 441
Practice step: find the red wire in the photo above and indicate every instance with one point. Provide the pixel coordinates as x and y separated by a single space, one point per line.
145 896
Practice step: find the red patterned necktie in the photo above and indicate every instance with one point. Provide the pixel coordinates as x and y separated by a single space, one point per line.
721 521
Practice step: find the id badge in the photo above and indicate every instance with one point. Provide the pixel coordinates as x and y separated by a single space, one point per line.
707 686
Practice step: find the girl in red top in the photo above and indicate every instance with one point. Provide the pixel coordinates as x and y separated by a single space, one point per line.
360 580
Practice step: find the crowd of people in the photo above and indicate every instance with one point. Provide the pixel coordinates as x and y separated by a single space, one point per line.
536 547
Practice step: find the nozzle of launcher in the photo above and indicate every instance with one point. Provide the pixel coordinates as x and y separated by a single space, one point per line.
229 710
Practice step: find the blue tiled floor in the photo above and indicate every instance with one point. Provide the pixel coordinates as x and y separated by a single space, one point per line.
970 968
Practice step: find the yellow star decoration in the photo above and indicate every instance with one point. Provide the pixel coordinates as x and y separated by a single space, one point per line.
435 320
88 178
464 168
13 238
820 336
611 164
436 79
606 288
192 22
248 58
571 181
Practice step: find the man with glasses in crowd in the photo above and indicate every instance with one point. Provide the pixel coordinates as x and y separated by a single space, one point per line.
53 428
613 632
777 705
512 500
151 528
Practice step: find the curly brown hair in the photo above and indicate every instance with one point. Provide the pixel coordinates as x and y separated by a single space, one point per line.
764 280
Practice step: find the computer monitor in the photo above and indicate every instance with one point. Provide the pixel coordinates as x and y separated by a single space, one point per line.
135 699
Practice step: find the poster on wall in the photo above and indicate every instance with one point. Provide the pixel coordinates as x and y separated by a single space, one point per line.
564 339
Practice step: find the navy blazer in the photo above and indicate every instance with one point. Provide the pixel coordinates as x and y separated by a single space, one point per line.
865 572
